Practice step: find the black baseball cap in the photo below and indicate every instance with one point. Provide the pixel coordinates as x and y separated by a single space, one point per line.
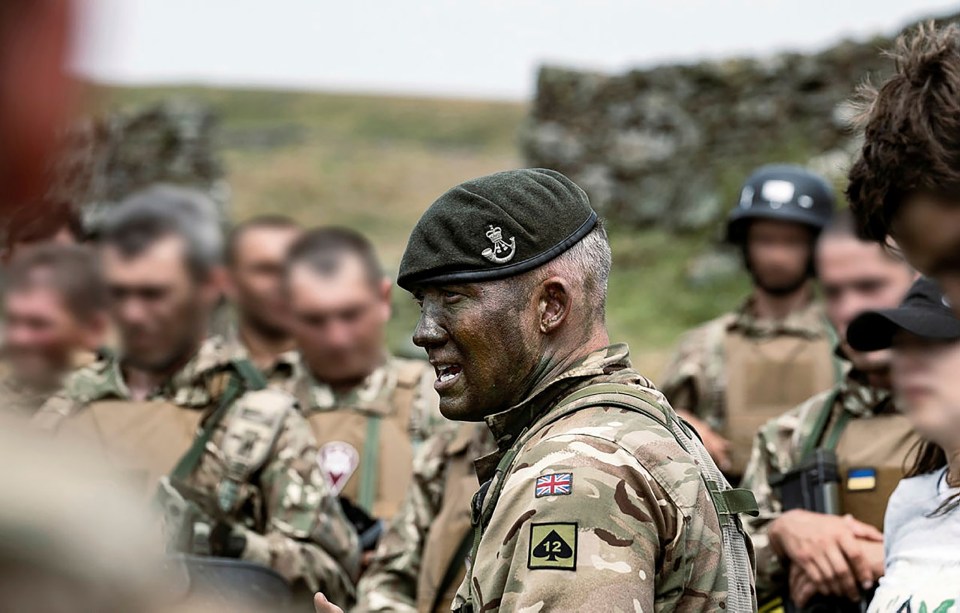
925 312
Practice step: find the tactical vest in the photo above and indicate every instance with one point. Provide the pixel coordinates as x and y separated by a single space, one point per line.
728 502
366 452
871 453
765 378
148 440
448 541
143 440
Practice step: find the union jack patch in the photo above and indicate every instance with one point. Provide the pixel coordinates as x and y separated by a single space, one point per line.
556 484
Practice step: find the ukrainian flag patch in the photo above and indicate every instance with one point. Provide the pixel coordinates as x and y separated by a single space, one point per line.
861 479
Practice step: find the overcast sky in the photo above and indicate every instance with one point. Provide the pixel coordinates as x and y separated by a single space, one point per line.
475 48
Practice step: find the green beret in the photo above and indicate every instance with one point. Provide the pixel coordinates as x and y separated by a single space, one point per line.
495 227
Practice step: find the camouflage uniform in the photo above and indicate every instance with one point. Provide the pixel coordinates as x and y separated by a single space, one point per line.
697 376
279 374
21 400
778 447
609 497
285 511
343 418
417 550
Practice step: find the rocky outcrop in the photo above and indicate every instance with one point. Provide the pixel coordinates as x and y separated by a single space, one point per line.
669 146
110 157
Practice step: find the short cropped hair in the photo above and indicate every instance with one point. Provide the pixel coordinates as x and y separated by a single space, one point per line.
586 265
261 222
911 127
163 211
323 250
71 270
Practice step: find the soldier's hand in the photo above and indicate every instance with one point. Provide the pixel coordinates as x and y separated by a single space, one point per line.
322 605
826 549
802 589
717 446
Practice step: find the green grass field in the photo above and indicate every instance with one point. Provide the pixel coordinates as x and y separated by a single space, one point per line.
375 163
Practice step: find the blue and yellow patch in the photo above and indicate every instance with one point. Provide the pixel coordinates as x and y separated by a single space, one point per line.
861 479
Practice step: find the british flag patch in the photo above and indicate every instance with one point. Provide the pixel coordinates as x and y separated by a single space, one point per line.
556 484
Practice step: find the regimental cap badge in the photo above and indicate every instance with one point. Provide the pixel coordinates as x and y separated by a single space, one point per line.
502 251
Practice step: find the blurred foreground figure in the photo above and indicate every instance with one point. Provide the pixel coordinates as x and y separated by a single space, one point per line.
256 252
55 321
850 442
732 374
235 462
905 185
420 562
71 539
598 498
368 409
922 523
44 222
35 96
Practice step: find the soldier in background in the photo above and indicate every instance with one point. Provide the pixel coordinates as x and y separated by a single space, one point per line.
255 254
369 410
905 183
804 551
235 462
421 559
732 374
598 497
55 322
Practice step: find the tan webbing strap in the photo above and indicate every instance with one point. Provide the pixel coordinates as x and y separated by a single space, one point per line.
243 378
729 502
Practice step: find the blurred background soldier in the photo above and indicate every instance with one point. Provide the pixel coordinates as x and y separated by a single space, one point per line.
55 321
235 462
732 374
421 559
255 254
368 409
851 440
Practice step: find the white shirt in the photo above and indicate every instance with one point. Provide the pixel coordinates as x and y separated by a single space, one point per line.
922 553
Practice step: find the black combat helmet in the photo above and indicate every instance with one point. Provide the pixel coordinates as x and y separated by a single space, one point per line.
782 192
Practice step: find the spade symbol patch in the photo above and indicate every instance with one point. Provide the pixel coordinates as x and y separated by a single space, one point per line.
553 546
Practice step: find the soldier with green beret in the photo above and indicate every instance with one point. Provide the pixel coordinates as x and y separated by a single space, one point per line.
598 497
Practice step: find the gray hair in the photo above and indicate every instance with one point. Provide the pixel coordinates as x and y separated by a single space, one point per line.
586 265
167 210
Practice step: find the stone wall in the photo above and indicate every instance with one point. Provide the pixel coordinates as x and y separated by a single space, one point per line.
109 157
669 146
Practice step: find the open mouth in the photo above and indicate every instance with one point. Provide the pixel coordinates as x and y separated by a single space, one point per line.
447 375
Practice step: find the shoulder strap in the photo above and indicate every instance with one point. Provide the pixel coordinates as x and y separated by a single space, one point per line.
815 438
834 343
243 377
728 501
454 567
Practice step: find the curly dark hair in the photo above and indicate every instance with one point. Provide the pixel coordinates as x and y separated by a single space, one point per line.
911 128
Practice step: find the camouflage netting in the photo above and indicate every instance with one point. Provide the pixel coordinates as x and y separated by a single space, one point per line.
110 157
669 146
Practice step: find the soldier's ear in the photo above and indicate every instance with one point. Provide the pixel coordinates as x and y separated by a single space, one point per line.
553 304
386 294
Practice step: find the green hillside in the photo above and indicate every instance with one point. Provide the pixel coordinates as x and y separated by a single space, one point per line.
375 163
